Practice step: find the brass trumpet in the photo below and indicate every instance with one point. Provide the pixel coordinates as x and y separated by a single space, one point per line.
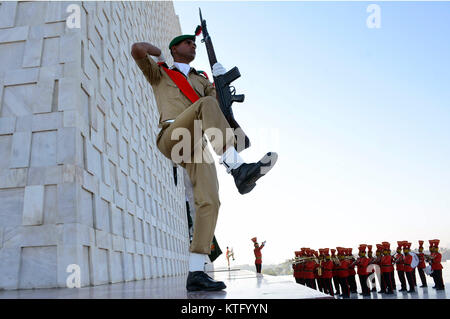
299 260
349 257
335 260
319 269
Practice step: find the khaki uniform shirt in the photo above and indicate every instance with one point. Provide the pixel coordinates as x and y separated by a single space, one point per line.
169 98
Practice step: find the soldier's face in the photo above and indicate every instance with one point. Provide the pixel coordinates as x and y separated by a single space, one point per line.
186 49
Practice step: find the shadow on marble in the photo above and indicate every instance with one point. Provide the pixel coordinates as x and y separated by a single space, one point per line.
240 285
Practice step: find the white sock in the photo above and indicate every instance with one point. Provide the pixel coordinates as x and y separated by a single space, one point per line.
231 159
197 262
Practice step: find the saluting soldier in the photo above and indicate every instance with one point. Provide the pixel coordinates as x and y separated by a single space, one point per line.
258 254
421 266
185 97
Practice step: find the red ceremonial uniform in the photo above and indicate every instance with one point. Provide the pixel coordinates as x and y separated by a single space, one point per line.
301 269
351 268
327 267
308 270
362 264
386 264
335 267
408 269
399 259
258 255
421 264
421 256
399 263
408 260
436 263
343 269
387 269
296 267
316 265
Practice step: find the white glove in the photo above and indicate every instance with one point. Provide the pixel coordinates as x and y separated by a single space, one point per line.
161 58
218 69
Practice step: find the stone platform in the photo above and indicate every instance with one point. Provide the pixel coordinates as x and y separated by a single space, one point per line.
241 284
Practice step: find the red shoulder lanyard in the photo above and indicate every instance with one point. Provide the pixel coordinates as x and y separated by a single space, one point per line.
181 82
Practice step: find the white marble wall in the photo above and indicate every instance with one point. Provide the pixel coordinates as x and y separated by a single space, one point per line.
81 180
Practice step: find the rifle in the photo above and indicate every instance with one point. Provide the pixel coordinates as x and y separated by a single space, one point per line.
226 94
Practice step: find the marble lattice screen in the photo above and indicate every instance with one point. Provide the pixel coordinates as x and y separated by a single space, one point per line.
81 180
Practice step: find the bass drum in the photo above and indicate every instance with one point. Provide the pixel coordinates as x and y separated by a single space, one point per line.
428 270
415 260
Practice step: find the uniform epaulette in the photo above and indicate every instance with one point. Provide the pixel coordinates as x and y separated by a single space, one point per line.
203 73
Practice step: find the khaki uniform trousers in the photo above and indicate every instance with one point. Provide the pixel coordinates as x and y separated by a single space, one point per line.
202 174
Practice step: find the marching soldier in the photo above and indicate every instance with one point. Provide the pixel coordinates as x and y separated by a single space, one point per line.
258 254
421 266
343 272
394 286
335 274
399 262
387 268
308 270
362 262
318 270
302 266
185 97
371 261
377 261
327 272
351 272
436 265
296 267
407 265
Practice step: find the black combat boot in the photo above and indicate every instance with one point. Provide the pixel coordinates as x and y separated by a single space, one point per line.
246 175
200 281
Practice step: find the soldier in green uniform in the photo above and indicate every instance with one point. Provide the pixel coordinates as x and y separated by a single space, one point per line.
175 90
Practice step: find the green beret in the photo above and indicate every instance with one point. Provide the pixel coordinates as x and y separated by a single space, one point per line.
181 38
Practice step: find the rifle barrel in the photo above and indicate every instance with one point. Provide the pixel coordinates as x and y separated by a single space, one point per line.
208 42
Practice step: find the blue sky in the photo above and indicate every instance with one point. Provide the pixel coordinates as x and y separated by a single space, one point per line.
358 116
